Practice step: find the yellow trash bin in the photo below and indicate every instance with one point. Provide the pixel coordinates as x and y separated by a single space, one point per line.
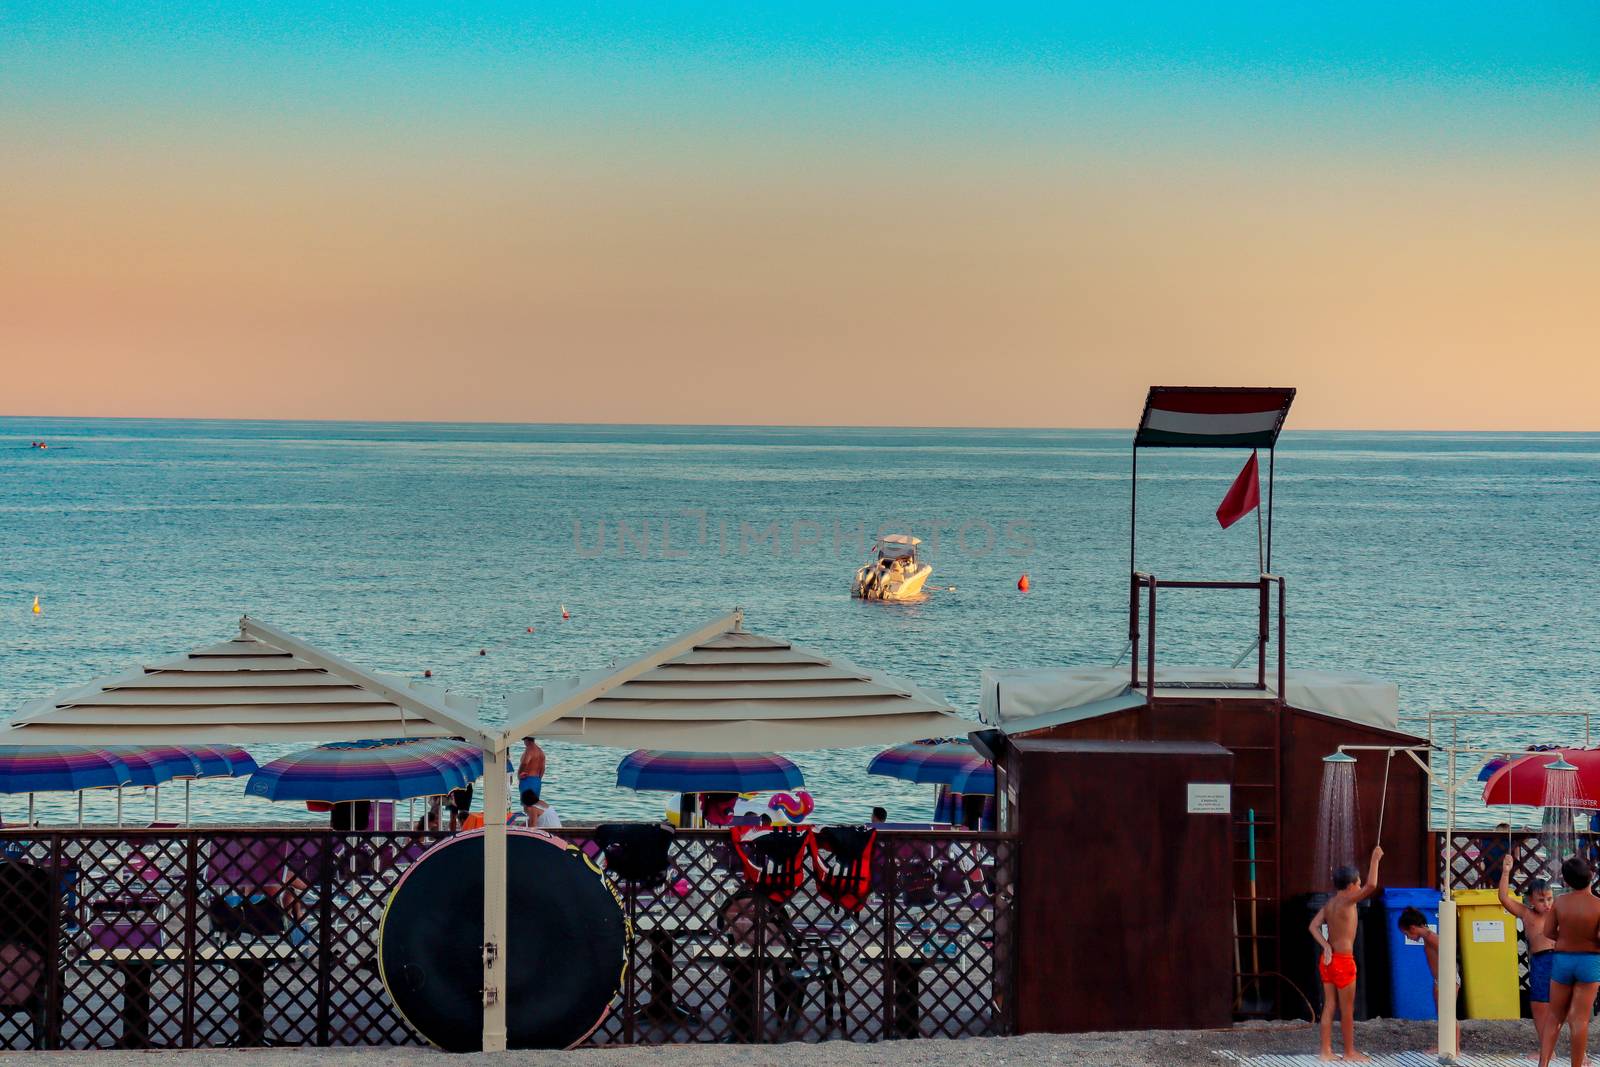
1487 944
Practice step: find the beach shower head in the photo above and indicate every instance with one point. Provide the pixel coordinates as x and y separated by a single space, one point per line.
1339 757
1560 764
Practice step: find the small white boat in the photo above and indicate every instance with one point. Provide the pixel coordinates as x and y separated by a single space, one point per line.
896 573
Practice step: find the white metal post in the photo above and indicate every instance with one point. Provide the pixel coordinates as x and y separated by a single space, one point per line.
494 895
1446 983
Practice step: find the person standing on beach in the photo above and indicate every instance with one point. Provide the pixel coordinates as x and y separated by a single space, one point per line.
530 774
1533 911
1574 925
1338 964
530 786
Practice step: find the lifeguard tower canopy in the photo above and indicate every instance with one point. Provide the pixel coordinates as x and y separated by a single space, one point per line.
1194 416
1203 416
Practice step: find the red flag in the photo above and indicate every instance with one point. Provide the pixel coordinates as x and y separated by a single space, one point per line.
1244 496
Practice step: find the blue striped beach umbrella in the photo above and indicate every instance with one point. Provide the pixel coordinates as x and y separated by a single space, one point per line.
977 776
152 765
392 769
209 761
707 772
468 757
34 769
59 769
220 761
932 762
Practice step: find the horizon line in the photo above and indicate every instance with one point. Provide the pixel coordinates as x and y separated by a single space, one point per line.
743 425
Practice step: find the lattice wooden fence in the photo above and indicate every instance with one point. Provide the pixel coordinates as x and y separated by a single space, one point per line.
206 938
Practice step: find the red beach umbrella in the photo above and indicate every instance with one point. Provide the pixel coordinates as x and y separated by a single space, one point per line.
1522 780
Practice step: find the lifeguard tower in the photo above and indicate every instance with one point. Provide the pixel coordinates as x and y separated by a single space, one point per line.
1277 722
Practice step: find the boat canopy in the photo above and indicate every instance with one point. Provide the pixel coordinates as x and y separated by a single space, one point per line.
1188 416
898 546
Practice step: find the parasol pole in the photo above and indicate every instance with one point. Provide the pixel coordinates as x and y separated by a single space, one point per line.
119 805
1509 792
186 784
30 809
155 815
80 809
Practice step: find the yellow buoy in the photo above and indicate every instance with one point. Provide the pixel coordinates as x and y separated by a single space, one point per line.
37 610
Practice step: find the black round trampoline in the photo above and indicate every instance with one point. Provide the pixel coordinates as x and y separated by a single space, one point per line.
566 943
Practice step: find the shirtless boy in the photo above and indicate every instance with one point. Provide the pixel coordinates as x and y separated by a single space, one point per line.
1338 964
1574 925
1415 926
1541 950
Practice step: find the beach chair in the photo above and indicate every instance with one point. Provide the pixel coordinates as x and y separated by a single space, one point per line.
796 966
638 856
25 898
247 876
906 866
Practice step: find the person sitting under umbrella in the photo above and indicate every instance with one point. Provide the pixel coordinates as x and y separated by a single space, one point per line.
462 817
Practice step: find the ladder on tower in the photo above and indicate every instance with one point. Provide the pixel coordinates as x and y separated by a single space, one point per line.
1257 881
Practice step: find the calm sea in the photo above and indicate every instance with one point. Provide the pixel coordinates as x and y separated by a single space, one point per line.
1460 565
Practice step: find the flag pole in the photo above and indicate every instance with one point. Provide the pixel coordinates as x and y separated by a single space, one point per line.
1261 559
1272 464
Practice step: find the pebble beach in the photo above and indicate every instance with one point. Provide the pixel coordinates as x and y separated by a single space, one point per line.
1389 1041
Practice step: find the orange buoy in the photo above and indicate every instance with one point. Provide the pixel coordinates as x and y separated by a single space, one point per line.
564 614
530 629
1022 583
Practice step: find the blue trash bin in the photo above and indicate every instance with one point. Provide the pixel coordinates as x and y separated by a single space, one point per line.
1410 980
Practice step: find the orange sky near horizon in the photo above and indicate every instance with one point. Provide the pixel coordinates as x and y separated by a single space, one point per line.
825 298
322 267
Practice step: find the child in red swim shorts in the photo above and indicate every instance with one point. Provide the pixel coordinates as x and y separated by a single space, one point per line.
1334 928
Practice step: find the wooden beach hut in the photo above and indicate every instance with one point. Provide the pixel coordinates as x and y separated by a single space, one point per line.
1278 745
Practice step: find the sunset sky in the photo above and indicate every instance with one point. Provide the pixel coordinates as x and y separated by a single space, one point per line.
928 215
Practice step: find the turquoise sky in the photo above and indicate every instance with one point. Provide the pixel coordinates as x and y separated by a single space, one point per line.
1458 76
